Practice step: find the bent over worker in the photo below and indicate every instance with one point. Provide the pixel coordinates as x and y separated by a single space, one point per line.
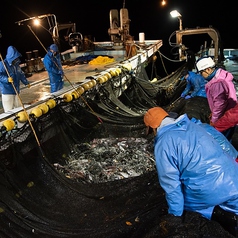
196 173
52 63
195 85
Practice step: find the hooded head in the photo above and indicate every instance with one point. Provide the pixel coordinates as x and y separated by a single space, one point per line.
154 117
54 47
12 54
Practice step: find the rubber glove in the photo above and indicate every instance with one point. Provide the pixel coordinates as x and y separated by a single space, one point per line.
187 97
10 80
182 95
182 78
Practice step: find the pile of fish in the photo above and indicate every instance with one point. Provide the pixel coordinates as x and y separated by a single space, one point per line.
109 159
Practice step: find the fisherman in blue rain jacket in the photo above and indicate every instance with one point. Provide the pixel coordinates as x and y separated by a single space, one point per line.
195 85
11 74
52 63
195 170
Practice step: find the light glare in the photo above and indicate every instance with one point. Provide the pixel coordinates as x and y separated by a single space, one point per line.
163 3
175 13
36 22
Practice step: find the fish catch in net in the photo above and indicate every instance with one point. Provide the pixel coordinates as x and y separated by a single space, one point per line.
96 176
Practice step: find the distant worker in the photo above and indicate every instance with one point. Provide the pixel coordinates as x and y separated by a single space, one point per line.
220 90
195 171
195 85
11 75
52 63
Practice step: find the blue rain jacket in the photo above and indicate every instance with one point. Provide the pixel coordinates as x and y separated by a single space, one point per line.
195 172
14 71
54 68
195 85
219 137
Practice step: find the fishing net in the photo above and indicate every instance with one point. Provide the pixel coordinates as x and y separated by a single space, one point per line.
93 174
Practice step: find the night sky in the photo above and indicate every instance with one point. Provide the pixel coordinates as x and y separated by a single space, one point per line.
92 18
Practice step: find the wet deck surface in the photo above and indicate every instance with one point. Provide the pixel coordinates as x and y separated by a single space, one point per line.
40 86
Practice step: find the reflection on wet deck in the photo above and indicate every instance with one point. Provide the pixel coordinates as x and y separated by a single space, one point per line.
76 73
40 86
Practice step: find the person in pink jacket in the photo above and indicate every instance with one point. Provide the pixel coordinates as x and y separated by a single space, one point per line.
220 90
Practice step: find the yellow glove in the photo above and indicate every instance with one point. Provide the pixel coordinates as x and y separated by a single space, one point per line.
28 85
10 80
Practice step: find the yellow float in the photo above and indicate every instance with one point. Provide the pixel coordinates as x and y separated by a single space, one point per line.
37 112
118 70
22 117
75 94
68 97
113 72
86 86
80 90
102 79
90 83
108 75
51 103
9 124
44 108
94 82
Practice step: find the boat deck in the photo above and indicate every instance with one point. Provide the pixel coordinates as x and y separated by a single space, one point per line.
78 73
75 74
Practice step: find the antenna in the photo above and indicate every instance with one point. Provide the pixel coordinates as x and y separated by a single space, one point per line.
124 2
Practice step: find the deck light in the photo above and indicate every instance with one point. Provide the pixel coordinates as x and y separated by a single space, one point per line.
36 22
175 13
163 3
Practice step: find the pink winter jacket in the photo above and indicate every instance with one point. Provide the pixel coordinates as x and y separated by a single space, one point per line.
221 94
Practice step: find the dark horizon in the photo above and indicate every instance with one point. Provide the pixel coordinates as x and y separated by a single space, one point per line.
92 18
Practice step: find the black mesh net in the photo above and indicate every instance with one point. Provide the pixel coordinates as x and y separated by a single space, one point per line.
93 173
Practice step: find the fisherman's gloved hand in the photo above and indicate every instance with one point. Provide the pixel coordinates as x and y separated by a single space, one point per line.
28 85
10 80
182 95
187 97
182 78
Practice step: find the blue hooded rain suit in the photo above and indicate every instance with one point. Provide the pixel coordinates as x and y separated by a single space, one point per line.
195 85
12 64
194 170
52 63
14 70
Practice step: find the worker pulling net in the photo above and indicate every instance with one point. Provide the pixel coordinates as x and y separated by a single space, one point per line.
96 176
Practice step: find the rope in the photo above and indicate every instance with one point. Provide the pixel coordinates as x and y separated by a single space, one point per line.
33 130
65 76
